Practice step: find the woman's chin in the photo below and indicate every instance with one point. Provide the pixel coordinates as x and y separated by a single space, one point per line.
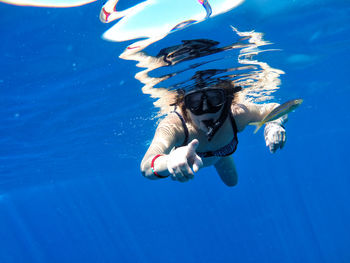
202 122
203 128
205 124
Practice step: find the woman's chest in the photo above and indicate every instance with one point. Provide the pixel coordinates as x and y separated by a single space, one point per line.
223 137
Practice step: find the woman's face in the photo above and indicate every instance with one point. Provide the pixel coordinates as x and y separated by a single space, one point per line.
204 120
205 106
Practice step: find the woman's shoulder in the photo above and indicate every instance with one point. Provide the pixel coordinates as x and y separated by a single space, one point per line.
175 126
171 119
173 123
239 109
241 114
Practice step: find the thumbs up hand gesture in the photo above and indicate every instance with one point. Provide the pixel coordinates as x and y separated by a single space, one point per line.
183 162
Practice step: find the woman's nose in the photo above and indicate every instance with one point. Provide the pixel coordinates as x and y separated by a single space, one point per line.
205 104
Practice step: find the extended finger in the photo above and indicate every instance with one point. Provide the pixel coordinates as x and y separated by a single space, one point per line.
284 138
279 137
171 170
272 147
192 146
180 176
275 137
197 163
172 173
278 141
186 170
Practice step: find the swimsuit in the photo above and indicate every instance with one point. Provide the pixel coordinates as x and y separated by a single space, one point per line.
223 151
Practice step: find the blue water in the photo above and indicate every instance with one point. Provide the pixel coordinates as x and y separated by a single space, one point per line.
74 126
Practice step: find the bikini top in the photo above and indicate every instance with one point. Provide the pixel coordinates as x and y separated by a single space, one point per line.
223 151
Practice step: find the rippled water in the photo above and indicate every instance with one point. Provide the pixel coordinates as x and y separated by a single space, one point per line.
74 125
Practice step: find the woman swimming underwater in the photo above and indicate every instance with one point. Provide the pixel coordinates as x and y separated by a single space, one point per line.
203 130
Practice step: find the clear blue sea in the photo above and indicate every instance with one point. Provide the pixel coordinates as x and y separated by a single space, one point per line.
74 126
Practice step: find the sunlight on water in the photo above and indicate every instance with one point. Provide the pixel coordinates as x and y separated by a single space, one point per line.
260 84
183 66
48 3
153 19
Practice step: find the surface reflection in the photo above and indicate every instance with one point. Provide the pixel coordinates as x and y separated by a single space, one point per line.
205 62
153 20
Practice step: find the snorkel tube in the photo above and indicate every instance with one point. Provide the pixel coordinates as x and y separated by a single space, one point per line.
212 126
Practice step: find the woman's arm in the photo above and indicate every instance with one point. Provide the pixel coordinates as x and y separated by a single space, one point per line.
165 139
274 132
250 112
167 160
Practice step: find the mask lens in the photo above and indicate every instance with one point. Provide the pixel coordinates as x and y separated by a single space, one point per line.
194 101
215 97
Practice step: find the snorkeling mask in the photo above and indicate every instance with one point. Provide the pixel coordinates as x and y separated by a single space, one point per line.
213 97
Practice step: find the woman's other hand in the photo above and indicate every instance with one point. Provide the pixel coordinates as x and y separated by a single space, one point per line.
183 162
275 136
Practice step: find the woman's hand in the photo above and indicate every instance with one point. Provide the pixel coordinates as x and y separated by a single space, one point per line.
275 136
183 162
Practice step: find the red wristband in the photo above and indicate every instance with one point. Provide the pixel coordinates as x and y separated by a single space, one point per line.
152 167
